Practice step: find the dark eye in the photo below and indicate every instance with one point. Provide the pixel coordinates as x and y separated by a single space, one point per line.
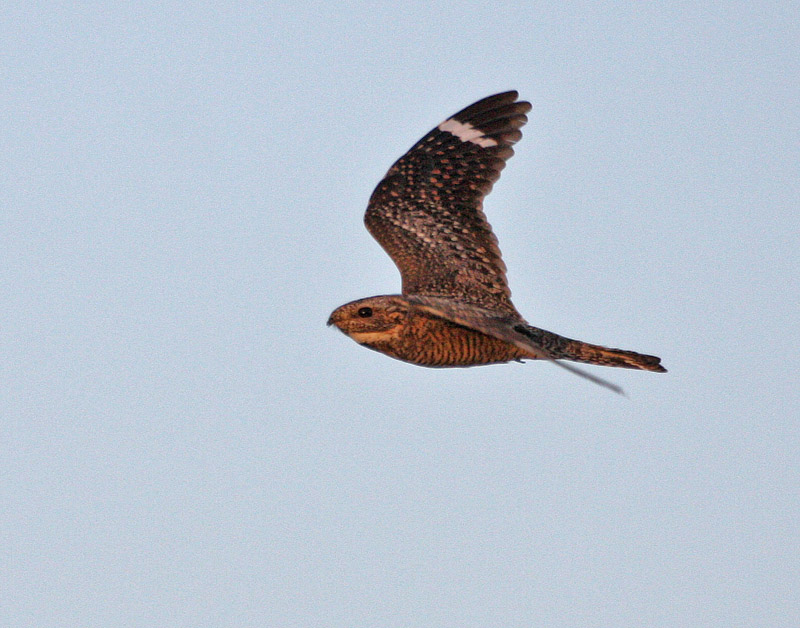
365 312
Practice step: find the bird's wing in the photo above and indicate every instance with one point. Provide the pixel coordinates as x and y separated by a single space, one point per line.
427 211
499 325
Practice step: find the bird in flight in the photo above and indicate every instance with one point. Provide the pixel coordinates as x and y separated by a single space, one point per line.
455 308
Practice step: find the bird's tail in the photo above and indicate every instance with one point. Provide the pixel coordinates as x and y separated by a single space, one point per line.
562 348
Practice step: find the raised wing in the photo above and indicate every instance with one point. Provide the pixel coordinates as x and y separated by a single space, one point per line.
427 211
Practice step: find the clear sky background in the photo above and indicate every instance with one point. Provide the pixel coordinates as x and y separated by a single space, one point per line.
184 442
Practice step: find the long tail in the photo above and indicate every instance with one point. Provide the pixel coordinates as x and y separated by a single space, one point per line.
562 348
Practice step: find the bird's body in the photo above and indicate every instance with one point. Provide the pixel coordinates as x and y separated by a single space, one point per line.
455 308
413 335
406 331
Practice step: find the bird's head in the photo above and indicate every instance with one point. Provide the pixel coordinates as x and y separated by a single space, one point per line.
371 320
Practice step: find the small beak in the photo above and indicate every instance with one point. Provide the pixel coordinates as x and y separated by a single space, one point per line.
330 321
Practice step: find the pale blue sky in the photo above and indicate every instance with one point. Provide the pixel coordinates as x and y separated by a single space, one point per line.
184 442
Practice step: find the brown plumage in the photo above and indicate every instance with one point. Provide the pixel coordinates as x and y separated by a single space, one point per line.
455 308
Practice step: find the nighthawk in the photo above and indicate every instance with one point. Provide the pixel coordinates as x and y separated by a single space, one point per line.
455 308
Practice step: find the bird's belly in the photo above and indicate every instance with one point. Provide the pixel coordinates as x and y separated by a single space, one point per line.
430 341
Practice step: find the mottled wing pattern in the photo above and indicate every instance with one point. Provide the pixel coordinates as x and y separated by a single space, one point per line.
427 211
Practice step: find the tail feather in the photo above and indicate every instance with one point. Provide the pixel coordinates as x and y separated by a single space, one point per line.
562 348
594 354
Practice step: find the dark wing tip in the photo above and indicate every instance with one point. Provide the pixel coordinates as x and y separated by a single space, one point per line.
488 104
504 102
499 117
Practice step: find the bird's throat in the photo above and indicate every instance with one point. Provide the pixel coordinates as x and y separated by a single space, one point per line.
374 338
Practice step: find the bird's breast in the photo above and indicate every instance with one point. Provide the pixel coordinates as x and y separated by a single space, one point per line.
430 341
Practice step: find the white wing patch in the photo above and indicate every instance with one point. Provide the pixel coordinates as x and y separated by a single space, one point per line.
466 133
